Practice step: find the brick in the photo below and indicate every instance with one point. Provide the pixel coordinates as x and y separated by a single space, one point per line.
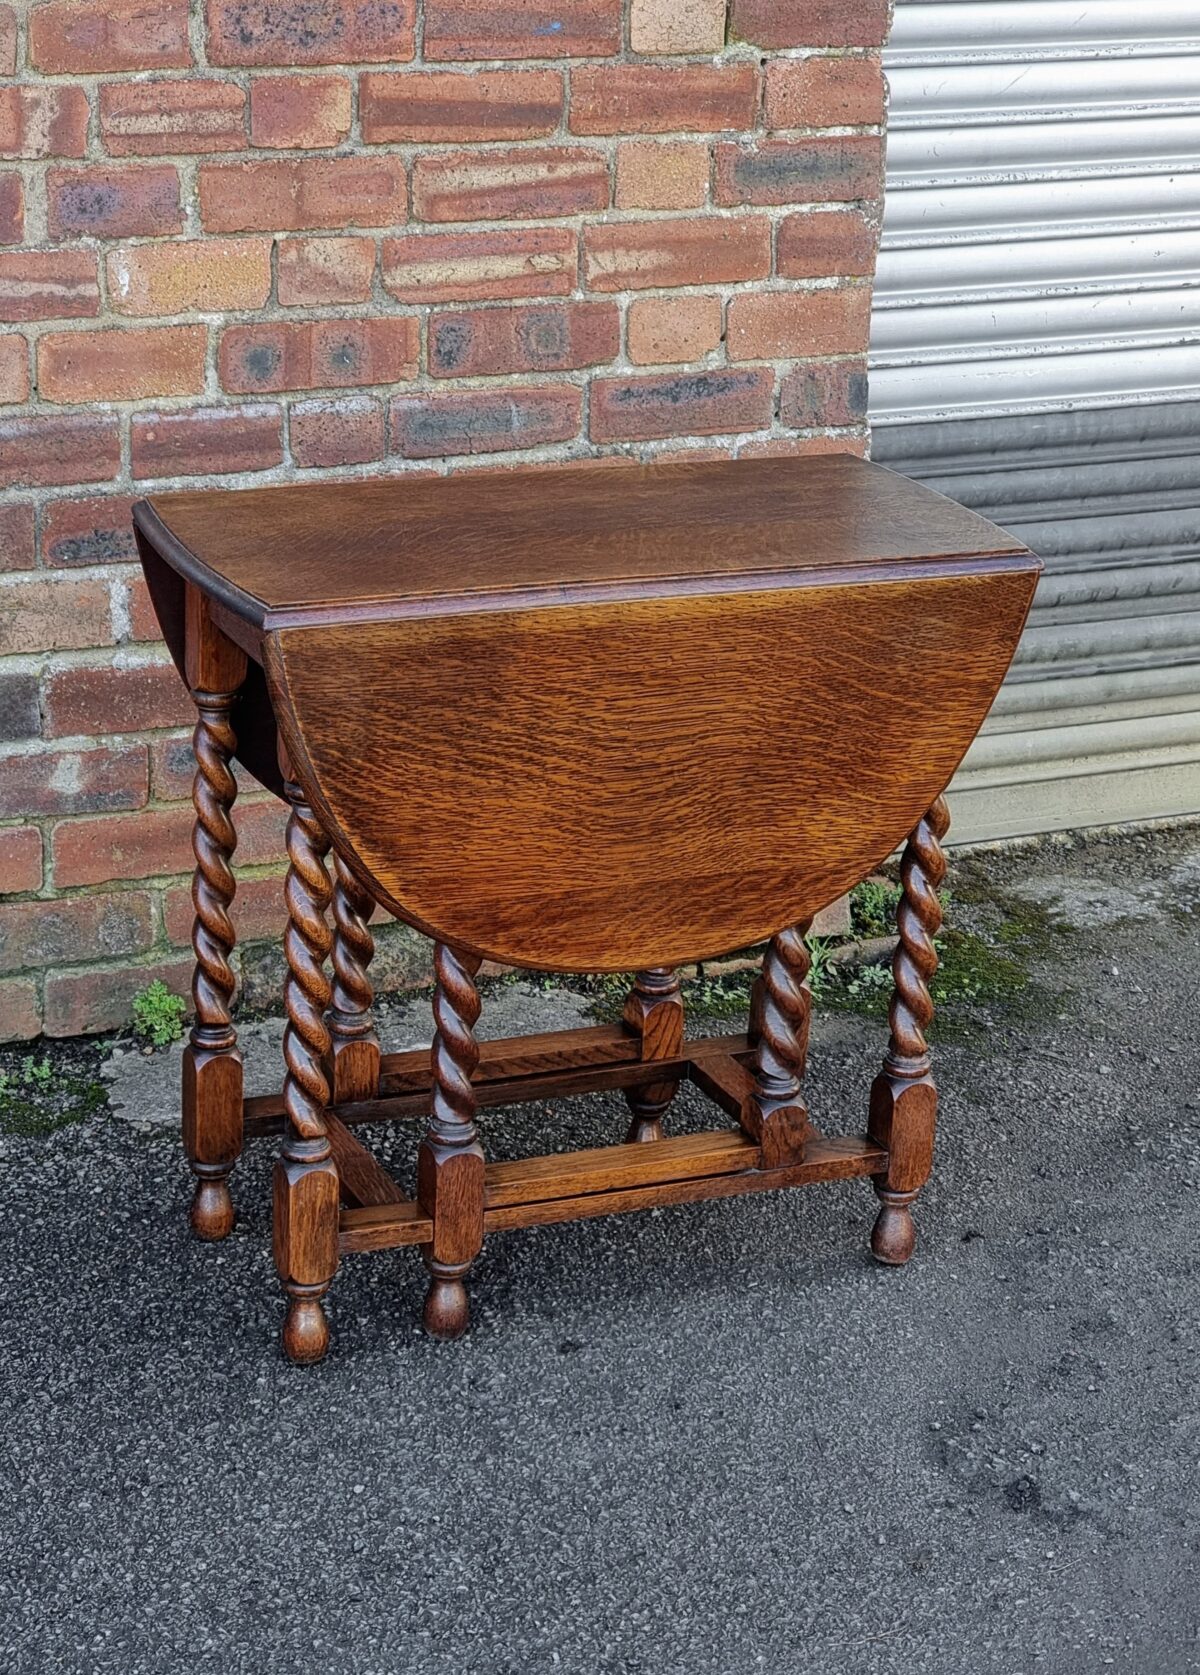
452 106
20 860
20 1012
113 203
143 619
12 208
344 432
317 354
548 337
809 23
813 170
127 364
14 369
20 711
54 613
145 844
169 118
312 271
684 404
48 285
484 421
16 536
783 325
82 37
650 99
292 194
190 276
509 185
38 121
655 175
646 255
824 92
481 267
258 910
41 933
677 25
287 32
8 41
172 768
826 244
75 781
154 843
95 998
482 29
96 530
666 331
67 448
308 112
113 698
206 441
831 394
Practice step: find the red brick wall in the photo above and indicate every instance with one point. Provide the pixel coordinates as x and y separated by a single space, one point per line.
270 240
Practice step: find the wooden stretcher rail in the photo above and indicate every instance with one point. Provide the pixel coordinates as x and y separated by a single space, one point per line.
606 1168
843 1157
510 1075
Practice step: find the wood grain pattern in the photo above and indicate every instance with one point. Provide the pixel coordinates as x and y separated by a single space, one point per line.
604 1168
450 1161
841 1158
212 1064
581 721
903 1111
355 1050
362 1178
776 1114
837 1158
654 1013
267 553
306 1182
771 748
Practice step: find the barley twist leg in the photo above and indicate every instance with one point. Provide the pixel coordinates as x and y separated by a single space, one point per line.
903 1114
212 1068
351 1025
306 1182
450 1162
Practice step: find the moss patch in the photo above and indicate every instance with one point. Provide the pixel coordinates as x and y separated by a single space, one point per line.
48 1087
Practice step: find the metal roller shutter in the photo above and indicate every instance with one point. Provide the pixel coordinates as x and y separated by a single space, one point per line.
1036 354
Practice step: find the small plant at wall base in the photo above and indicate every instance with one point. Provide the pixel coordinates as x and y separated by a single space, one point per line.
158 1015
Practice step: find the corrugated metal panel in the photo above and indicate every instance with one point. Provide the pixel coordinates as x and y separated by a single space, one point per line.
1036 354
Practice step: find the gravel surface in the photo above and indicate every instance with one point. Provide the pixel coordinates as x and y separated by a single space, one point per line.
702 1441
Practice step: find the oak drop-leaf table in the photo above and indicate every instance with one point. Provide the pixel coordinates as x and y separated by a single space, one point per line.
581 720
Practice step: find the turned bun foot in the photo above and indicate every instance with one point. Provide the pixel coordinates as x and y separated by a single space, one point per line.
894 1237
644 1129
447 1307
211 1215
305 1331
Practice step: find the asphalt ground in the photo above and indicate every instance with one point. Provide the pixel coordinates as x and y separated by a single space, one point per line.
707 1439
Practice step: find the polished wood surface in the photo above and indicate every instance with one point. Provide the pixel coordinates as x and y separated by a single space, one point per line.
587 721
212 1064
403 545
615 786
904 1101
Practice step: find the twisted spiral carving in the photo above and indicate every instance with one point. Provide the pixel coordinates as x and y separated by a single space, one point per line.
784 1014
918 920
307 989
456 1007
353 951
214 840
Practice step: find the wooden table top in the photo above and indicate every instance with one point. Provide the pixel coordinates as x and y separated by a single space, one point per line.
407 546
